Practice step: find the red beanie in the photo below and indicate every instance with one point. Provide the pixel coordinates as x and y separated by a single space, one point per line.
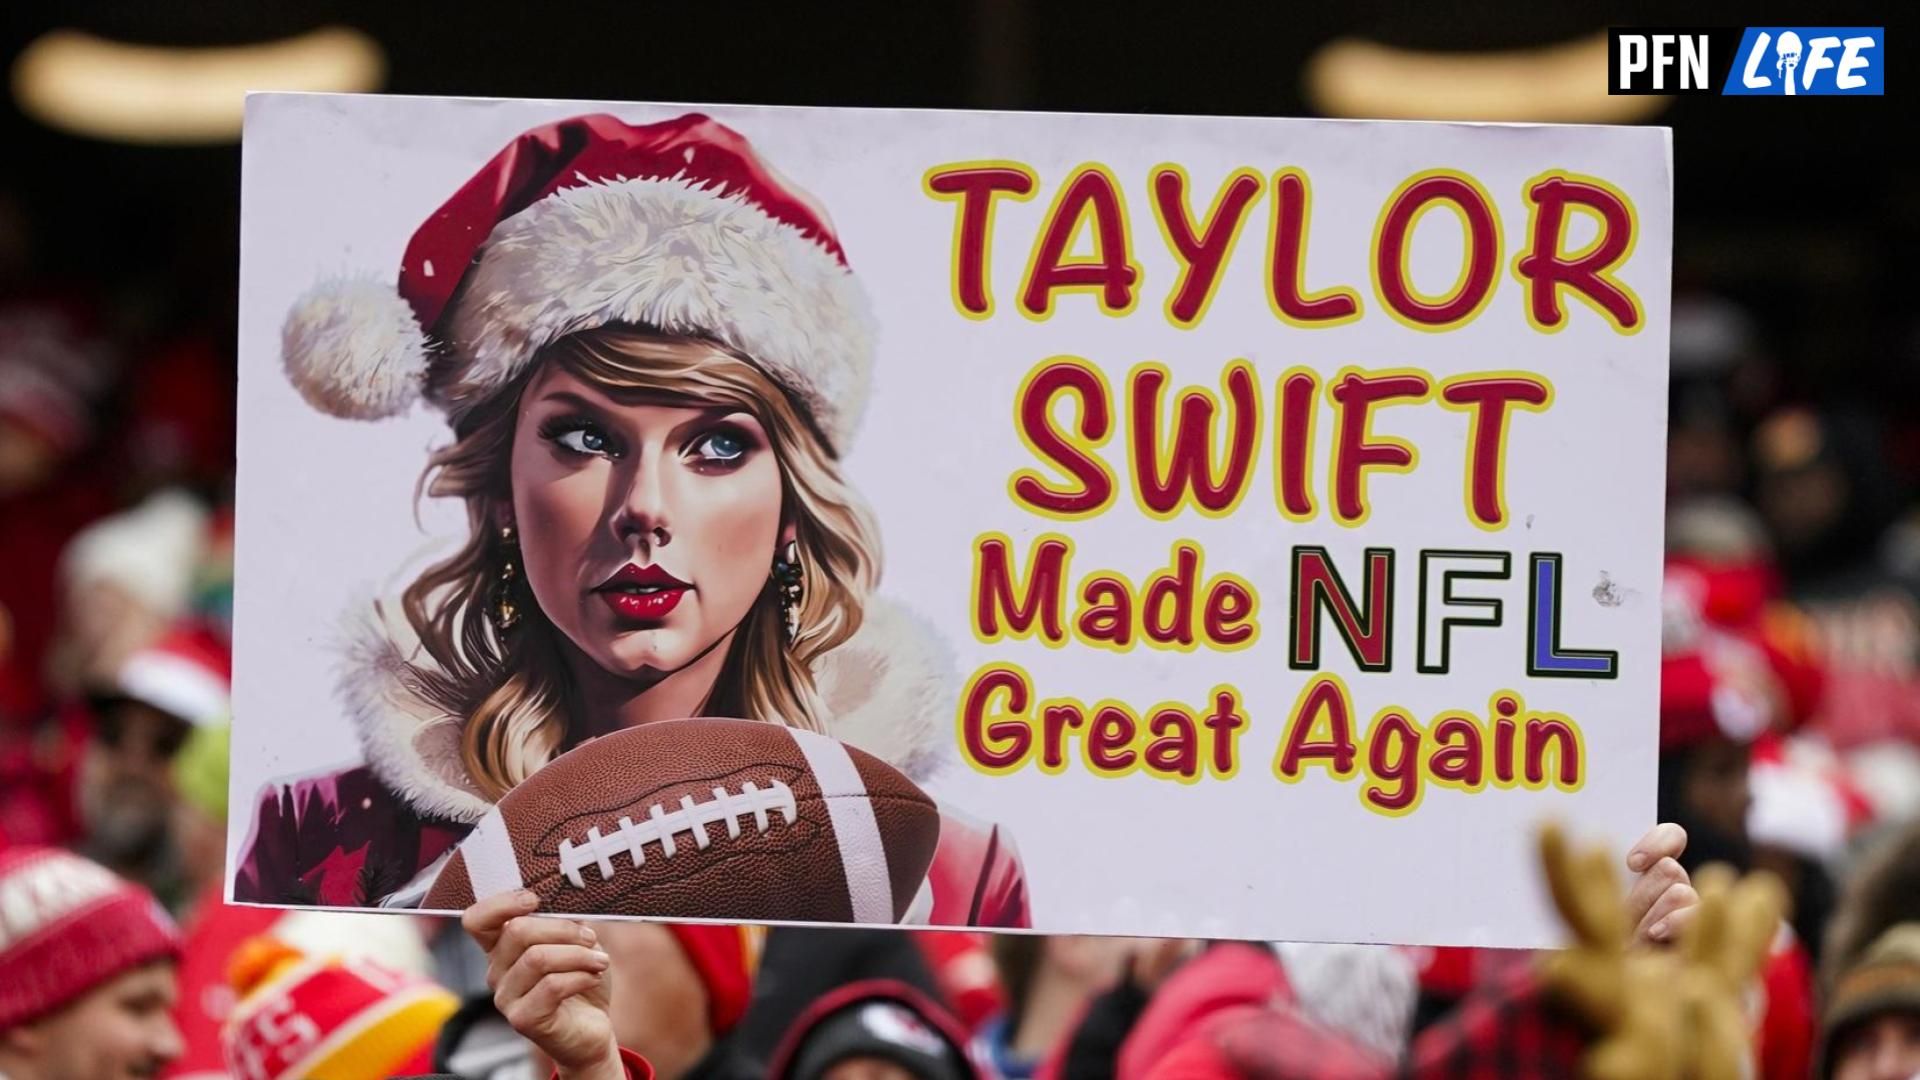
66 926
725 958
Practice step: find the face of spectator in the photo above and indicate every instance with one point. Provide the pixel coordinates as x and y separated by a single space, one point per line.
1716 789
121 1030
866 1068
127 793
102 625
26 460
1884 1048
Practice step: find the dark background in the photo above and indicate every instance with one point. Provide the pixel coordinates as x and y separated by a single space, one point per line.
1801 210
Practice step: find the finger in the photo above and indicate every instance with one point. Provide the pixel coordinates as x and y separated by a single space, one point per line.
1675 923
1647 888
1657 926
1664 841
533 1012
484 919
524 933
541 961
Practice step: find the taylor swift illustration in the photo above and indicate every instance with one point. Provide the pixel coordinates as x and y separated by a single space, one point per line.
652 354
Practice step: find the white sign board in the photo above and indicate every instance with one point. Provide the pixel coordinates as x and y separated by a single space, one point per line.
1213 527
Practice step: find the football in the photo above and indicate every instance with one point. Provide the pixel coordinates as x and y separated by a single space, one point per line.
704 819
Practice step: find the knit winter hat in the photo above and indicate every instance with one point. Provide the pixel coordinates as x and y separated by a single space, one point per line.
675 226
1885 980
328 1018
67 925
878 1018
151 551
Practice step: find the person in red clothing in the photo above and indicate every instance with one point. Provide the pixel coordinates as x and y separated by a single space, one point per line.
87 971
652 354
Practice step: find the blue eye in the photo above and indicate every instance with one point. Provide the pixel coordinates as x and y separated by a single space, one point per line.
721 446
579 436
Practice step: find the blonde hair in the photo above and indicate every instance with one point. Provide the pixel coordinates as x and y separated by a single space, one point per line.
512 690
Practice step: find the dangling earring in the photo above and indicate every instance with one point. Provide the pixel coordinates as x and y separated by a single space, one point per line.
506 614
786 576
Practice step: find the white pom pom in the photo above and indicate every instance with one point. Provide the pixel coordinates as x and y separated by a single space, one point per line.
353 348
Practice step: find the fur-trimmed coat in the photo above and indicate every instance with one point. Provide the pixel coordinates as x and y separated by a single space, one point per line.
367 835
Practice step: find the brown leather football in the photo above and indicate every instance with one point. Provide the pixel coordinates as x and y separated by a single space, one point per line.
704 819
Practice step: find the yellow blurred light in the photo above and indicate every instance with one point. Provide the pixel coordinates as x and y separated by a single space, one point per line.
1564 83
90 86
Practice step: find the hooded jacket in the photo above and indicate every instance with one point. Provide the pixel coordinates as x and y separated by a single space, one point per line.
368 835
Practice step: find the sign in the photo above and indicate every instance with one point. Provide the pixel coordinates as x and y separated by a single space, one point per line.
1227 527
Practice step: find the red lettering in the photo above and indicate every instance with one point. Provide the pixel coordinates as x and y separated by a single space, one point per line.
1324 697
1110 742
1175 749
1295 443
1166 609
1108 615
1055 720
1546 270
1228 602
976 187
1489 400
997 594
1034 414
1393 755
1483 252
979 737
1226 724
1565 746
1110 273
1464 763
1189 470
1503 733
1366 628
1355 396
1201 255
1287 261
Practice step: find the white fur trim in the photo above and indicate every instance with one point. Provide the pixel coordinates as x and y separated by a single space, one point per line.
890 689
669 254
887 691
353 348
411 746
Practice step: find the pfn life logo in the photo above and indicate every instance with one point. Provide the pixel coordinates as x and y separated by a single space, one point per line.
1784 61
1809 60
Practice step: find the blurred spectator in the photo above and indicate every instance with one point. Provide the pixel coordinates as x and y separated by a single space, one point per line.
126 579
54 370
1881 892
158 696
1872 1025
798 965
214 935
1048 982
678 991
875 1030
963 968
363 1019
88 963
199 824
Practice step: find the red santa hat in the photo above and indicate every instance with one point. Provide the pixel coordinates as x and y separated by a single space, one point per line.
676 226
188 673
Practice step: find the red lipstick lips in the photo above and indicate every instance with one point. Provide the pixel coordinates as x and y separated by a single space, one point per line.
642 593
